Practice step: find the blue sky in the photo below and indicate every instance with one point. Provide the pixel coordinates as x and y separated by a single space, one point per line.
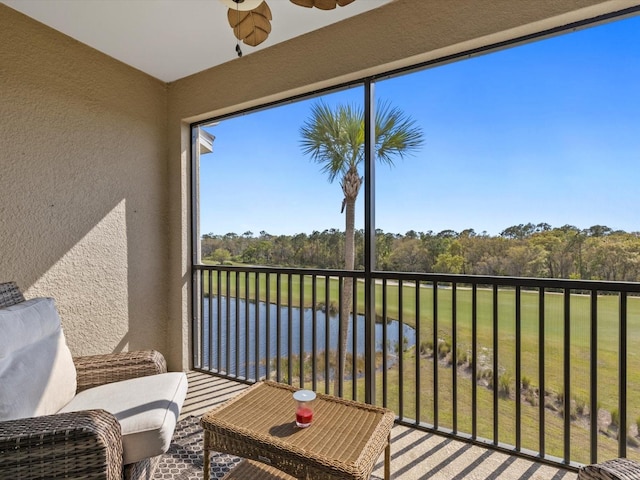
544 132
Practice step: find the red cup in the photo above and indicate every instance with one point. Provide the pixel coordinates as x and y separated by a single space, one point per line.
304 407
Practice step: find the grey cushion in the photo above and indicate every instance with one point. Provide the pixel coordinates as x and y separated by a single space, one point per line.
146 407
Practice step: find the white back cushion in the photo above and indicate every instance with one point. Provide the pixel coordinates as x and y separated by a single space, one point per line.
37 374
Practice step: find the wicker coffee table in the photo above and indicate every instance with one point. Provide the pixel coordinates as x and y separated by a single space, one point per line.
344 441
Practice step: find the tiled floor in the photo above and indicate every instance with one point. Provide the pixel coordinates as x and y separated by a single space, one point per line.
414 454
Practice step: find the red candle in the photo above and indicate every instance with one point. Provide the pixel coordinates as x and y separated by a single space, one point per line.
304 416
304 407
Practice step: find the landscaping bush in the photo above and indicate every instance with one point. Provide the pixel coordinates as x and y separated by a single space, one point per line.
504 384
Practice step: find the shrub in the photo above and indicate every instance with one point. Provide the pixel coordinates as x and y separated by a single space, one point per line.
426 347
443 349
615 418
462 357
504 384
526 382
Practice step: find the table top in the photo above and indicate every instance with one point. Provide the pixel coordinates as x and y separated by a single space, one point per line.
346 435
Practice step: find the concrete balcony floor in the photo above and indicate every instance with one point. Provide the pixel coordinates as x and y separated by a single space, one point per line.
414 454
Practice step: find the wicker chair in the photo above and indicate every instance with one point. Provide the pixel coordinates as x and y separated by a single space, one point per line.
85 444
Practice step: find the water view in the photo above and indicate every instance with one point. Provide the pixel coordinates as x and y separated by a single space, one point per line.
225 346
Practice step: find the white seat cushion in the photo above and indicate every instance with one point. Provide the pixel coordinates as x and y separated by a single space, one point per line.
37 374
146 407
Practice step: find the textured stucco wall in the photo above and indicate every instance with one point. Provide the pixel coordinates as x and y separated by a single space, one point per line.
83 187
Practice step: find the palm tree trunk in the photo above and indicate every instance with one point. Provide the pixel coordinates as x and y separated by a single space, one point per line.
350 186
346 296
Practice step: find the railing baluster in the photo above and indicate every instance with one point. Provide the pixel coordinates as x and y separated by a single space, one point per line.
341 319
385 341
327 334
541 370
474 361
267 326
237 324
454 353
566 407
247 329
417 351
219 319
257 326
278 326
228 318
518 369
210 322
314 334
301 320
622 375
496 344
201 332
400 351
196 320
593 380
354 341
290 329
436 383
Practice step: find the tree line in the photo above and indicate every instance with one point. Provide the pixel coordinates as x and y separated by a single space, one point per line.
525 250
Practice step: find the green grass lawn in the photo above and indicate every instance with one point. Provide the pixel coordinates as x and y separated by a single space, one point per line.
554 427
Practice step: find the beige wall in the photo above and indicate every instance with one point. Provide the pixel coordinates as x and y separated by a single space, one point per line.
94 156
83 187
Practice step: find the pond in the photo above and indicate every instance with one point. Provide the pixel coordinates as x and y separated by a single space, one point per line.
233 336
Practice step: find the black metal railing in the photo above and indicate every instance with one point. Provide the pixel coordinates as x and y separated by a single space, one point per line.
542 368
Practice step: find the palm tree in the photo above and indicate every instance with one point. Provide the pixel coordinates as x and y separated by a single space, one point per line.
334 138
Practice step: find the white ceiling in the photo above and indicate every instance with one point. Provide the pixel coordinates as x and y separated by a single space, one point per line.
171 39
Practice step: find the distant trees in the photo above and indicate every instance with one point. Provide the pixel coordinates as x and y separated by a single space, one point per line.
594 253
221 255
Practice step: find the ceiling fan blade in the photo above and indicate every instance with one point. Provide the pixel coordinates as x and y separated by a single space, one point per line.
252 26
242 5
322 4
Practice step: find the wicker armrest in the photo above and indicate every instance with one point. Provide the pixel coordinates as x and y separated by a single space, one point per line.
85 444
97 370
10 294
